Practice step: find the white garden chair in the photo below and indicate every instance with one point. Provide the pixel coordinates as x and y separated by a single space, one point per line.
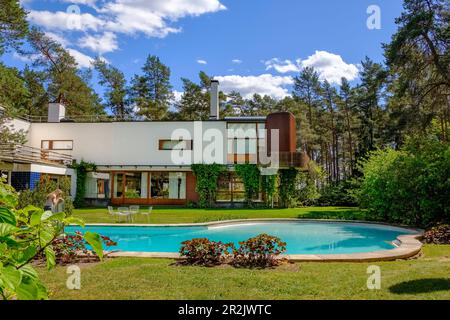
147 213
134 210
113 214
124 212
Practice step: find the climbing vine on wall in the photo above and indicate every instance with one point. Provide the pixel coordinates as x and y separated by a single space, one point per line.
207 176
269 187
287 191
250 175
82 169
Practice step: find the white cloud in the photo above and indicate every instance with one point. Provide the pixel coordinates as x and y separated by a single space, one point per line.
103 43
61 20
282 66
200 61
331 67
153 18
236 61
328 65
264 84
57 37
84 61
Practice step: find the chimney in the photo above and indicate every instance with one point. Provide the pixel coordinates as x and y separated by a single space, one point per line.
214 113
56 112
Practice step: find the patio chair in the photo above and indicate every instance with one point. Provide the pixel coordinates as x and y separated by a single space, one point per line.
134 210
113 214
124 212
147 213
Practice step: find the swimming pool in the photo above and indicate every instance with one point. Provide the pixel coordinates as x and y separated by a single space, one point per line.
302 237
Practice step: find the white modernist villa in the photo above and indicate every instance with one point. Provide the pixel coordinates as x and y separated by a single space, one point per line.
147 162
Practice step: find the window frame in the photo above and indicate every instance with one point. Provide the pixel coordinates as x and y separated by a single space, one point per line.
161 142
51 142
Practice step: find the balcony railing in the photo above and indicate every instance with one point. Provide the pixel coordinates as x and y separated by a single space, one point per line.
26 154
285 159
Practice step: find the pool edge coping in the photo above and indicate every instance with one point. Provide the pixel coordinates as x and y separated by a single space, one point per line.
409 245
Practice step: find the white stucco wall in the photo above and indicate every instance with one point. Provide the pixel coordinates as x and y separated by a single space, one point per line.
120 143
17 125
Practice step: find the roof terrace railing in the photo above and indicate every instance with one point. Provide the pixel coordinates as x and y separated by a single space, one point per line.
27 154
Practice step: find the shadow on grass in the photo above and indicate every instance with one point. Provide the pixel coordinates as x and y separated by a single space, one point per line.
421 286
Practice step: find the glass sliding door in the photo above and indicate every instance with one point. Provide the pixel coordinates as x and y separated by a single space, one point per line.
118 185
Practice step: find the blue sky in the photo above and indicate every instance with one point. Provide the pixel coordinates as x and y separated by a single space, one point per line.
253 46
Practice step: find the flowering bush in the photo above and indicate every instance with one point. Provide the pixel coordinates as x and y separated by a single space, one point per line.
67 248
260 251
439 234
202 251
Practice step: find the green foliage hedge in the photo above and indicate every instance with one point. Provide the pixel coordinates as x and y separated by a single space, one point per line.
250 175
82 169
408 186
207 176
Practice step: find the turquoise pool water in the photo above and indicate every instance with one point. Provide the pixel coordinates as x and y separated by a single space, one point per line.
301 237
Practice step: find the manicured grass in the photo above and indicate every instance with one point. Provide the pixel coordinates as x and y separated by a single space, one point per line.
187 215
427 277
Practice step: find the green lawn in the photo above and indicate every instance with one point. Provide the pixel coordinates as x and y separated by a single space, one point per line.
187 215
427 277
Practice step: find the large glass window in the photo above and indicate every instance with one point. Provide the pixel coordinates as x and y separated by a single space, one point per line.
118 185
133 185
57 144
159 185
175 144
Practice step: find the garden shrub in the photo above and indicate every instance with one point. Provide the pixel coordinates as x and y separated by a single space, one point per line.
260 251
202 251
409 185
82 169
269 187
69 247
338 194
439 234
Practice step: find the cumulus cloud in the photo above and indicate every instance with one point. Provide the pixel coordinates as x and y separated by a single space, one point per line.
152 18
103 43
264 84
61 20
282 66
200 61
331 67
236 61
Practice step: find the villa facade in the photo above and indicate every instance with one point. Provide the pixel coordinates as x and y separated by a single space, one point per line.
148 162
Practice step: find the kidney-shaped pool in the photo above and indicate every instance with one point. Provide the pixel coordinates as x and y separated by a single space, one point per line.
301 237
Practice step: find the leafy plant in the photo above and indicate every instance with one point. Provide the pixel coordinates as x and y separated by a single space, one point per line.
202 251
69 247
439 234
260 251
409 185
269 188
82 169
250 175
24 235
207 176
287 187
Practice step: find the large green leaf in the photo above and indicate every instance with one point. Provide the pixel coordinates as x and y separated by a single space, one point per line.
29 271
6 216
50 257
36 218
95 241
7 229
28 290
11 277
73 220
48 215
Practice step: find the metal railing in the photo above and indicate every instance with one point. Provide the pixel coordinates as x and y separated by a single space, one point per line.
27 154
285 159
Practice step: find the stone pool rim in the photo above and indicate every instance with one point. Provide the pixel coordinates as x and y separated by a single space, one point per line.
408 245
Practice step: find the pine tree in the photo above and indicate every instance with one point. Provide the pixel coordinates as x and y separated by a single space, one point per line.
151 92
116 94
